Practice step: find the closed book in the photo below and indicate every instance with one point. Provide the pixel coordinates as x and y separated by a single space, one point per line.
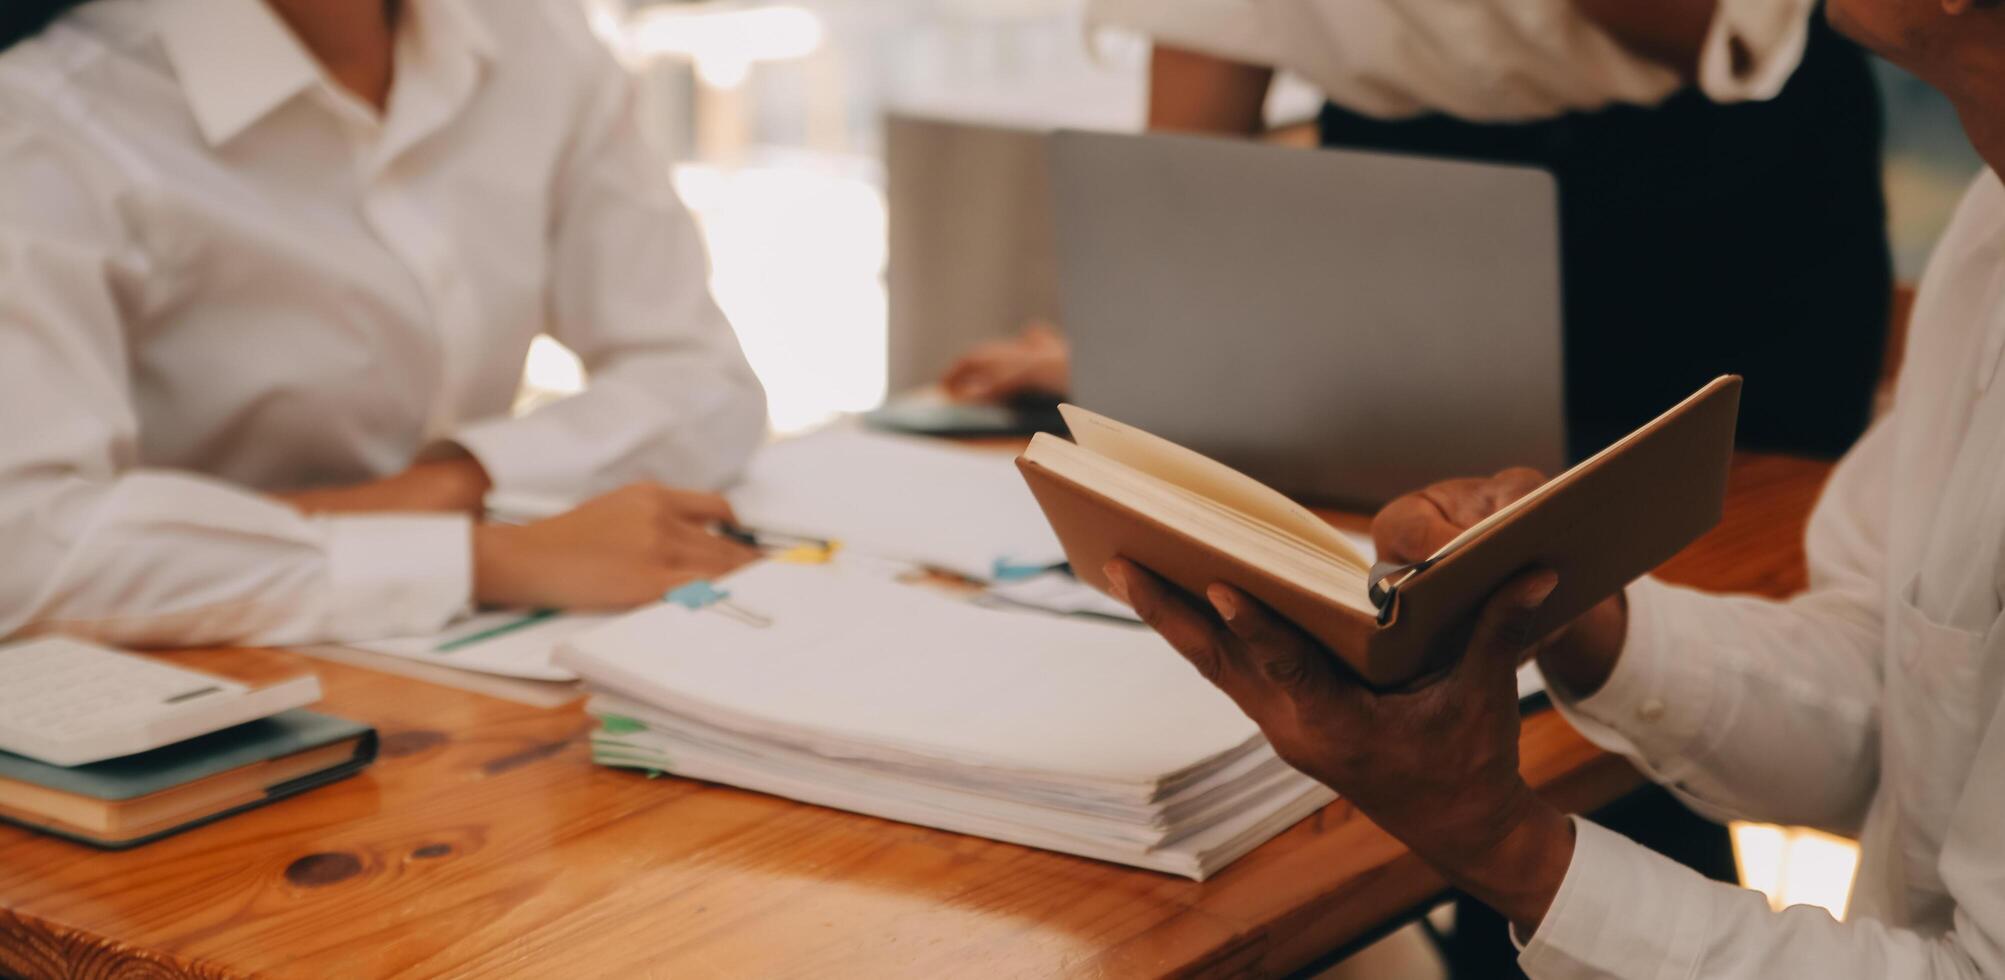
128 801
1120 491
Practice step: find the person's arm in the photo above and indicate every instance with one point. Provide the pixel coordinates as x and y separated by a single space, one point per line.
1491 61
1735 50
101 545
1436 766
1706 692
1190 91
670 397
1709 691
455 484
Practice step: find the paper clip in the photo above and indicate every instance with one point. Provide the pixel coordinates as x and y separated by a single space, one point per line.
700 595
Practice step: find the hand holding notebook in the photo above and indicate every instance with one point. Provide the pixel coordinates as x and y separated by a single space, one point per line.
1122 492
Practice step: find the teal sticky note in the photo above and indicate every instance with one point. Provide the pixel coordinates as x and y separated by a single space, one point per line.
696 595
1006 571
620 725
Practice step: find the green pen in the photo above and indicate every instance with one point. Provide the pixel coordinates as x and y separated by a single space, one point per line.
494 631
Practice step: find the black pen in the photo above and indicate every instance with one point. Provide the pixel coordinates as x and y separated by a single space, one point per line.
771 540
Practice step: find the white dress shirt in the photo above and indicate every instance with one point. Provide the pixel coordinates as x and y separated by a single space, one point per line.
1481 60
1869 705
221 273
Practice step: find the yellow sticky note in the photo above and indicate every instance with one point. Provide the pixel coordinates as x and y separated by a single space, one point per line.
809 554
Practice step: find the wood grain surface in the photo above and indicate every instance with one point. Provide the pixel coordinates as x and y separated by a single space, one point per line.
485 843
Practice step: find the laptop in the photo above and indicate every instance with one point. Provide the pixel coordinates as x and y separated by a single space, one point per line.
1343 326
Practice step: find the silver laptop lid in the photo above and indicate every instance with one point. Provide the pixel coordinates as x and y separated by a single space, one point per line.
1346 326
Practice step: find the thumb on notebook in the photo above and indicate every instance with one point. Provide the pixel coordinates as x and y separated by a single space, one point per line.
1417 525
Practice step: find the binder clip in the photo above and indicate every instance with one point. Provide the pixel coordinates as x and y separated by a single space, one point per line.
700 595
1383 596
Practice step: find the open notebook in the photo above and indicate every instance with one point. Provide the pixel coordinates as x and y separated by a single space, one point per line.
1118 490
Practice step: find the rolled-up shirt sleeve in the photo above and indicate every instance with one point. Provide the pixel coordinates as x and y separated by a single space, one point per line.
102 546
670 396
1489 61
1753 47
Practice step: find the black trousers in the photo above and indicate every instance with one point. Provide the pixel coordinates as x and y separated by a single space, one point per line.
1699 239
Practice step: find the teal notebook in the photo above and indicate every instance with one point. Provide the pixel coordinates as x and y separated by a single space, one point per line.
131 800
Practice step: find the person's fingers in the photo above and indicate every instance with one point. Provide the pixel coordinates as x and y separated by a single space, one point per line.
1278 652
1411 528
698 507
1508 624
666 579
1462 502
1508 485
966 372
1042 332
686 545
980 383
1189 628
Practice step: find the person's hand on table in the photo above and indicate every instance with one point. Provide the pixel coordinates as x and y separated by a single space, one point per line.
616 551
1035 362
1434 764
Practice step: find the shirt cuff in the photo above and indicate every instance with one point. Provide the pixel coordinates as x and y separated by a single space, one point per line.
397 575
530 476
1655 703
1621 911
1753 47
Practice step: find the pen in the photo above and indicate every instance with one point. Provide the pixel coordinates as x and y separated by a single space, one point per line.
494 631
771 540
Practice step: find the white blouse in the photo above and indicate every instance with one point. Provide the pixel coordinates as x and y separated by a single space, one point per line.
1481 60
1869 705
221 273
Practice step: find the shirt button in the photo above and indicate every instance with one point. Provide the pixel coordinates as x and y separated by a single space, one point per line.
1651 709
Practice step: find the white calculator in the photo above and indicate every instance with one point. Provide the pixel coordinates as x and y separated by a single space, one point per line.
67 703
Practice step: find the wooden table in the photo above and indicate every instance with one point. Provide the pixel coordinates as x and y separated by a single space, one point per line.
485 843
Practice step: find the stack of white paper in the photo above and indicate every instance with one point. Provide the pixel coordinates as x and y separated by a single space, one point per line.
914 500
893 700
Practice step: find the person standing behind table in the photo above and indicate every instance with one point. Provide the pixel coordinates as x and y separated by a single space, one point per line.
268 275
1718 164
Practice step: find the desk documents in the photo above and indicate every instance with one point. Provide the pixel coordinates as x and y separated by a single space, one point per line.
1062 733
902 498
508 643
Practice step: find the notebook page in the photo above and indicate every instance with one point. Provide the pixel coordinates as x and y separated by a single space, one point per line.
1206 477
898 497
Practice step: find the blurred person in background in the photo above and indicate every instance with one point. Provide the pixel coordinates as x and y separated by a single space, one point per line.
1718 163
269 270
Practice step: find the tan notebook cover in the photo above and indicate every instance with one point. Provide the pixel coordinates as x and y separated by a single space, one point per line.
1600 526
